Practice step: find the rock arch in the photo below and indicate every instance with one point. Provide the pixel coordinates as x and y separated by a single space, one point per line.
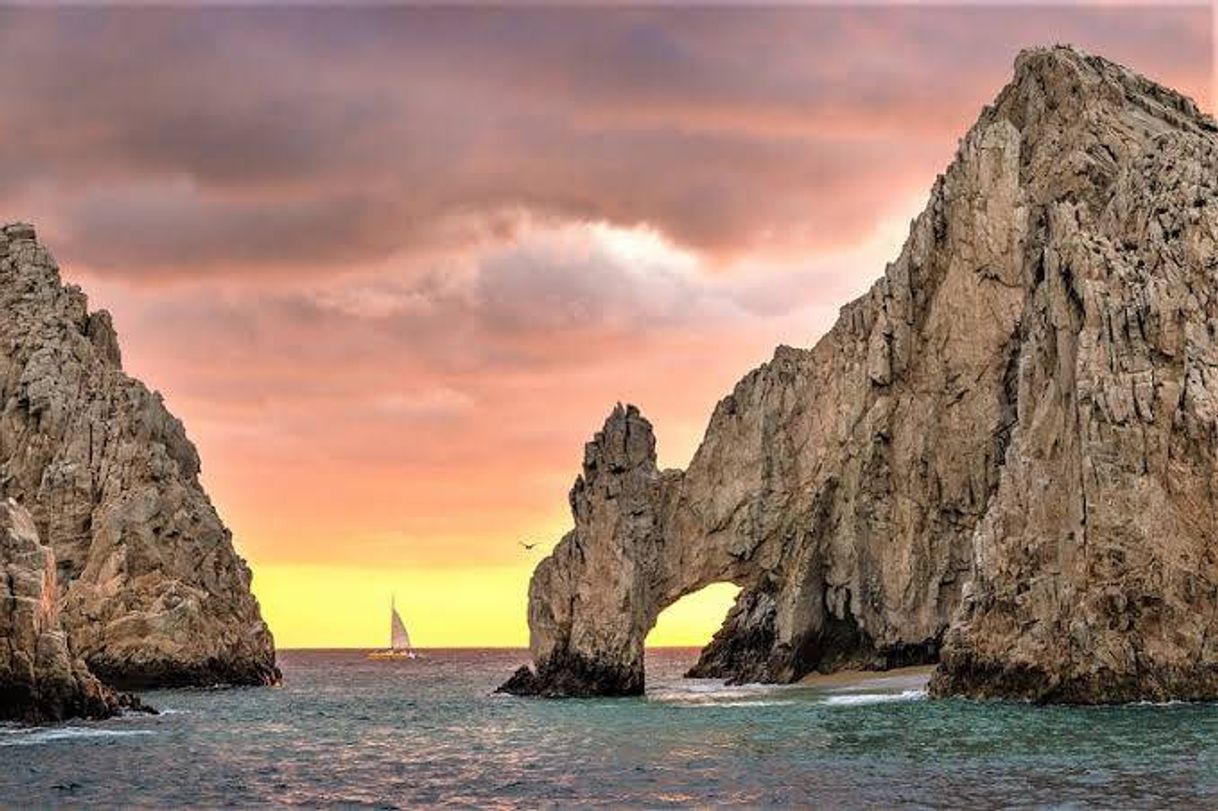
1016 421
594 600
838 486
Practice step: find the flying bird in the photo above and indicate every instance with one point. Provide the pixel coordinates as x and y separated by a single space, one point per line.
528 546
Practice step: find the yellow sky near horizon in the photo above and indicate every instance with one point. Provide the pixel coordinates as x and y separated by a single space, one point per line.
314 606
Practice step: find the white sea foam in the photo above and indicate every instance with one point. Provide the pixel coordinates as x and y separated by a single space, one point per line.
1172 703
712 686
710 693
35 737
856 699
757 703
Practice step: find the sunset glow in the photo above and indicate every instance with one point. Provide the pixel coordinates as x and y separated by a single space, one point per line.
410 259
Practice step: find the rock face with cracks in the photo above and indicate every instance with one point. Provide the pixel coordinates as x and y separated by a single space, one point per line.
40 678
153 593
1000 458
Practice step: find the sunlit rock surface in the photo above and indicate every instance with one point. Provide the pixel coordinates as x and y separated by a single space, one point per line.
40 678
1000 456
153 592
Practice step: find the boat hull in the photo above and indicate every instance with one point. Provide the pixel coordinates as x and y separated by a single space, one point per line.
392 655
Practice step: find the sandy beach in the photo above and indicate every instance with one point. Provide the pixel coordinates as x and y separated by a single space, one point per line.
898 678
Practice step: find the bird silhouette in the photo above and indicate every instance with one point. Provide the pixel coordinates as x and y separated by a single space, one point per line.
527 546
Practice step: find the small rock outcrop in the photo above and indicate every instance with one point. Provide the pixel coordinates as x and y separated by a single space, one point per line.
1000 458
41 680
153 593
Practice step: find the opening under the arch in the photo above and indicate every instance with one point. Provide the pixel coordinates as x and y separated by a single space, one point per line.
691 621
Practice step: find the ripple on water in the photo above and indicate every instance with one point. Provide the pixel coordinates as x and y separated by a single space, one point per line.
342 731
34 736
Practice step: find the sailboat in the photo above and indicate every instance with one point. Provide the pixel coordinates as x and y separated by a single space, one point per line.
399 638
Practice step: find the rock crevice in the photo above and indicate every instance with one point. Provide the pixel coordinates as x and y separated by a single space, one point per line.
41 680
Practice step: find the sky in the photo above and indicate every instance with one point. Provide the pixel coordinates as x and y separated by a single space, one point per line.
394 266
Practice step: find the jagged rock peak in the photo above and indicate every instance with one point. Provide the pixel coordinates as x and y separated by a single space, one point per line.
153 592
625 442
1061 73
613 504
1001 456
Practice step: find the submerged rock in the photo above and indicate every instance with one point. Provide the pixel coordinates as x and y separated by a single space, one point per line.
522 683
1010 435
154 593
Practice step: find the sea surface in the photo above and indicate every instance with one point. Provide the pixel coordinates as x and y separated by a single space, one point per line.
344 730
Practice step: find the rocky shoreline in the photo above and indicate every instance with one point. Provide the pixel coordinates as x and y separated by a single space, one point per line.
120 574
1001 459
41 679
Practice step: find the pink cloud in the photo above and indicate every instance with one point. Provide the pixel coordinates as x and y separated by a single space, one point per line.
393 266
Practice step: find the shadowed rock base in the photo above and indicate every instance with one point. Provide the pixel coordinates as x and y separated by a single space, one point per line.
1040 685
743 650
41 679
575 677
49 699
168 673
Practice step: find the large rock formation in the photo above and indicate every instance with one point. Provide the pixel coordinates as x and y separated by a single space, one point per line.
1096 563
1022 403
40 679
154 594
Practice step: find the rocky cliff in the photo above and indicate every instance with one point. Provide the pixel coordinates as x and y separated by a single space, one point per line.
1010 435
40 679
153 592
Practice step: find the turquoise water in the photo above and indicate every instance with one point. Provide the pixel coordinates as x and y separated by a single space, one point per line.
343 730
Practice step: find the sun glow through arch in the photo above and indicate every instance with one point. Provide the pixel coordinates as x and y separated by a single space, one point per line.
689 621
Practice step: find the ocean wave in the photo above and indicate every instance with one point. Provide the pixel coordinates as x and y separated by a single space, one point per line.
1175 702
712 686
761 702
35 737
716 694
856 699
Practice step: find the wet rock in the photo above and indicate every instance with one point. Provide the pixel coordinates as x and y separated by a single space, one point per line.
522 683
130 702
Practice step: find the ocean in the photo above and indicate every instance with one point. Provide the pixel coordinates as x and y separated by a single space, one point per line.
343 730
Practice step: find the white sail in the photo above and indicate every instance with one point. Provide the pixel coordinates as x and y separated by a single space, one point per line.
399 638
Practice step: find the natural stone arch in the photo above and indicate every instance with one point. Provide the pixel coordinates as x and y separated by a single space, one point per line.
594 600
1017 420
838 486
644 538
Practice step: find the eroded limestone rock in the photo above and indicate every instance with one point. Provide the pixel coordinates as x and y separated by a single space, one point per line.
1096 576
40 678
1019 404
154 594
